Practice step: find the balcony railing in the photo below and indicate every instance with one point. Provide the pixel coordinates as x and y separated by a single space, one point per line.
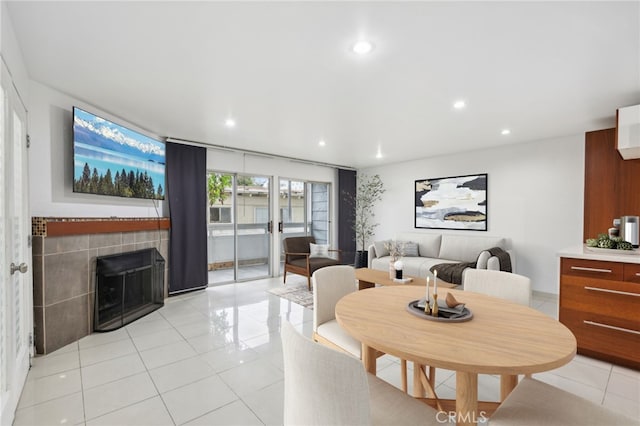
253 243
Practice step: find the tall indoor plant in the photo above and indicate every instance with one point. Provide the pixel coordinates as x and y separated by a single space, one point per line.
369 190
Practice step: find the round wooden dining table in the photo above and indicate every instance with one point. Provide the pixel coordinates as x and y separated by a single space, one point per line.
502 338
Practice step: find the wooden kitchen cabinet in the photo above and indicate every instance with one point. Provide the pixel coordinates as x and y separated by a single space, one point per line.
611 184
600 304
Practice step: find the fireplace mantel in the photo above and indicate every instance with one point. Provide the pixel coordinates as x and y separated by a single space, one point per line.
58 226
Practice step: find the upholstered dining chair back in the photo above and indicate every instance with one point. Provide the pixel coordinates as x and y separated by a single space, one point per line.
322 386
327 387
535 403
330 284
504 285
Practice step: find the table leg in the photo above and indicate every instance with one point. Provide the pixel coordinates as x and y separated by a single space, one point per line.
365 284
507 384
418 389
466 398
369 359
403 374
432 381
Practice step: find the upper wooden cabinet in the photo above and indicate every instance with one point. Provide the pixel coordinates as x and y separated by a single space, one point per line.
611 184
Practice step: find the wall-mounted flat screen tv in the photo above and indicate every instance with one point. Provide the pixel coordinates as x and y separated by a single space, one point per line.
110 159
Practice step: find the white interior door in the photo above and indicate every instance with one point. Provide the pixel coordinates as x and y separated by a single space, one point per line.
16 294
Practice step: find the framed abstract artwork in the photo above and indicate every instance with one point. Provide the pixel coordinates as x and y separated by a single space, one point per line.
457 202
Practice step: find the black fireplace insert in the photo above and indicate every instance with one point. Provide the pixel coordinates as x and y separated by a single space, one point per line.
128 286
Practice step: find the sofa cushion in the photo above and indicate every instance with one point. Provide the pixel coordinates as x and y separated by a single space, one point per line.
483 257
381 248
466 249
428 244
411 249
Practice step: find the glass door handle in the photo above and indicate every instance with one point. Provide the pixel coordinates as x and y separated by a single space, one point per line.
270 227
280 227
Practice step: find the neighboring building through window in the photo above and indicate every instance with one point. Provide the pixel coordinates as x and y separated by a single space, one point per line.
220 214
261 215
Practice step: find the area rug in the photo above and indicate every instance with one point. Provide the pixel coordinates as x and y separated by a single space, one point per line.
297 294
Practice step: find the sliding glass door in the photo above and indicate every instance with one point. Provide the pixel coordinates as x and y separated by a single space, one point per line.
239 227
292 210
304 210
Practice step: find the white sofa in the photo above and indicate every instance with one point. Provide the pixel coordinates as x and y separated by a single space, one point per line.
442 248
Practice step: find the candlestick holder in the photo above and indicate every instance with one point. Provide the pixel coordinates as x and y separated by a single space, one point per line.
434 310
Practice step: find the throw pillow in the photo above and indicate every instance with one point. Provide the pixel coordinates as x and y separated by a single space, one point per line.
494 264
381 250
318 250
483 257
411 249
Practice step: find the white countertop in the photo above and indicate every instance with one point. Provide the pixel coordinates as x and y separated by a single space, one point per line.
590 253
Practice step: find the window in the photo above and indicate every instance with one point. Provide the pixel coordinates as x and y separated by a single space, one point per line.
261 215
220 214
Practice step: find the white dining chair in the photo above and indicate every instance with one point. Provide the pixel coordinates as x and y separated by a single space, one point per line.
330 284
327 387
534 403
504 285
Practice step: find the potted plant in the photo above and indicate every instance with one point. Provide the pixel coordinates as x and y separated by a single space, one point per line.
369 190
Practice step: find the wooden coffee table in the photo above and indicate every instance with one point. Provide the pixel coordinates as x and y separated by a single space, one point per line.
368 278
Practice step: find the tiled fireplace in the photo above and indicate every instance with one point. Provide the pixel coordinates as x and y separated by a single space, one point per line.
64 269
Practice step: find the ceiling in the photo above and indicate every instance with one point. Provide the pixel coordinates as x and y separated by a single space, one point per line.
285 72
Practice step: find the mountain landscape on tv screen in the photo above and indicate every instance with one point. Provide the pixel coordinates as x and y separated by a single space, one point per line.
110 159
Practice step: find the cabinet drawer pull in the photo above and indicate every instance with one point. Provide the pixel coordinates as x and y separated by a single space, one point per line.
582 268
606 290
597 324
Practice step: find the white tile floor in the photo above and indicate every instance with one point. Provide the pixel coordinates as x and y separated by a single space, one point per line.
213 358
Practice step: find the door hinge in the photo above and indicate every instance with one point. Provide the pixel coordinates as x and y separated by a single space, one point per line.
28 141
29 241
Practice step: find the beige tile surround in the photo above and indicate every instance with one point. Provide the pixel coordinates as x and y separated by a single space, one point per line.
64 280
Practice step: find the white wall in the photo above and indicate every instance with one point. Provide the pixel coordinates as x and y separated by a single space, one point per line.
11 53
535 198
51 162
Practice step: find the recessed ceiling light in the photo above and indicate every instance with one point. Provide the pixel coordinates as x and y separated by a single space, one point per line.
459 104
322 142
362 47
230 122
505 132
